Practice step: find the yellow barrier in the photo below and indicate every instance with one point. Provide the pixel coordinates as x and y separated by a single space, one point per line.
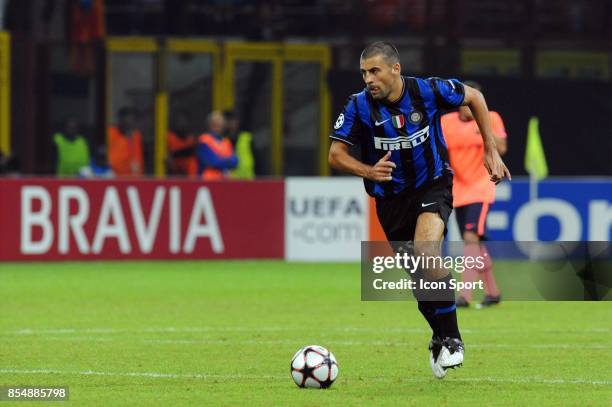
223 86
195 46
277 54
573 64
5 92
131 44
505 62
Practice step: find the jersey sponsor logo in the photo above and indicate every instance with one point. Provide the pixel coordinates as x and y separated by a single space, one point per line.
401 142
339 121
398 121
377 123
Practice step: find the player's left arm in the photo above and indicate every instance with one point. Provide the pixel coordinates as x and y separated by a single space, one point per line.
501 137
502 145
492 160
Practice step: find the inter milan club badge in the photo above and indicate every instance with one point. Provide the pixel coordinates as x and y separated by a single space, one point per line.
398 121
415 117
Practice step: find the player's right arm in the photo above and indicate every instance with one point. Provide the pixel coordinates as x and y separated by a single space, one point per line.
348 131
342 160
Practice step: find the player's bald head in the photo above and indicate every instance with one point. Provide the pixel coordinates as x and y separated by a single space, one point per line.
216 116
216 121
382 48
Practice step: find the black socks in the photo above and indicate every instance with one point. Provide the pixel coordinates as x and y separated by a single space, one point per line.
439 309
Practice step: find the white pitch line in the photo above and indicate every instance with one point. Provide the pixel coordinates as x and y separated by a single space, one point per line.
293 342
532 380
33 331
205 376
60 331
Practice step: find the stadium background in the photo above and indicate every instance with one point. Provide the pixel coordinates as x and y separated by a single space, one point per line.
287 68
164 56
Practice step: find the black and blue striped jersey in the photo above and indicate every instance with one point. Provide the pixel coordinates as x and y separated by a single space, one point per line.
409 128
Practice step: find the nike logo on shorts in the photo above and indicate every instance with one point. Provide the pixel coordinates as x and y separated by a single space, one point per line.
424 205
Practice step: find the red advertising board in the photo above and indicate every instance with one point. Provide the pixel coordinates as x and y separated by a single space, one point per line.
54 219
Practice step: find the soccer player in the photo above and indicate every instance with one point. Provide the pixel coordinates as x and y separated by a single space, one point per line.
404 163
472 191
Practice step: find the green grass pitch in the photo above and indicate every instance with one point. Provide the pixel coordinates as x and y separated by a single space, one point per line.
223 333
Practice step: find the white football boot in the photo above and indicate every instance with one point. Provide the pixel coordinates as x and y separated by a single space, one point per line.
451 354
435 347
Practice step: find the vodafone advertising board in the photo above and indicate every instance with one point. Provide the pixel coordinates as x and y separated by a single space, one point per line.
326 219
47 219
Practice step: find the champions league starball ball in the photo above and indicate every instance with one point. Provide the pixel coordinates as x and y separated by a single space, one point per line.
314 367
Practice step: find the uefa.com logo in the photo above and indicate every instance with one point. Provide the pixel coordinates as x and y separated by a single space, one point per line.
536 271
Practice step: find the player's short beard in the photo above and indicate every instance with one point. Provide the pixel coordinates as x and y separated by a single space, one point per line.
382 95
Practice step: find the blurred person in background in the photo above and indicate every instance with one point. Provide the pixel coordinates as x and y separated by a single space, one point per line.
215 153
9 164
85 25
71 152
473 192
182 145
98 167
241 140
124 144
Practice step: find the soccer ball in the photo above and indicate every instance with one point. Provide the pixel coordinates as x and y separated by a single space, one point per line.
314 366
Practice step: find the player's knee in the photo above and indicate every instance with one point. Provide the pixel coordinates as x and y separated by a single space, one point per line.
427 248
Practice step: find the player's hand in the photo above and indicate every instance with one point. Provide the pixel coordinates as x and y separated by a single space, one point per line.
381 171
495 166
